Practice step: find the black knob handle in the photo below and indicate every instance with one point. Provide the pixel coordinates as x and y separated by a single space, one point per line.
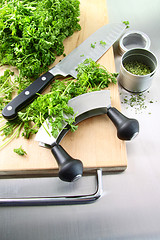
127 128
70 169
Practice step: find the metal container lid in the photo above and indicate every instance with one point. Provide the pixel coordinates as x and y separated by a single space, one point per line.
133 39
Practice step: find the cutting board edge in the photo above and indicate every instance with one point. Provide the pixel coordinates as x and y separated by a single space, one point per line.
53 172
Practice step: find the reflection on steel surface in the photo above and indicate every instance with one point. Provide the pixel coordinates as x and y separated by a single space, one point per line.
58 200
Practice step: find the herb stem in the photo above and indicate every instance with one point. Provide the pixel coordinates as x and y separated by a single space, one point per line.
13 128
68 86
12 137
2 119
46 128
2 86
3 127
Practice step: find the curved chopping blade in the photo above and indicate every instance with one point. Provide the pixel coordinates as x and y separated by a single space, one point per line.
85 106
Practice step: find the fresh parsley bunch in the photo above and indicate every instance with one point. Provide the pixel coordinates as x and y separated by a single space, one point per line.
32 32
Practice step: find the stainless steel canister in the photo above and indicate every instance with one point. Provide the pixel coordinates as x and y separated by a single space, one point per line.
133 39
132 82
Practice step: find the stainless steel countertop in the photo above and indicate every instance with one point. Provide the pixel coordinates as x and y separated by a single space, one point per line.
129 207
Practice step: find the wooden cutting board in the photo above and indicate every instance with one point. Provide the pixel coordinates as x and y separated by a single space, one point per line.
95 142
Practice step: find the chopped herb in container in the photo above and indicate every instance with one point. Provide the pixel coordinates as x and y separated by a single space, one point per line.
137 68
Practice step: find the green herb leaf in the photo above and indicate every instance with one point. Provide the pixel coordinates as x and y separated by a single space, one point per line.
126 23
7 88
92 45
20 151
103 43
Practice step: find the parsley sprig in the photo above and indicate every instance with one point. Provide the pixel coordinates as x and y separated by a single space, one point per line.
20 151
6 88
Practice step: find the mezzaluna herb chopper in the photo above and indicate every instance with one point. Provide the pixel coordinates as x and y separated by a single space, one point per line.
85 106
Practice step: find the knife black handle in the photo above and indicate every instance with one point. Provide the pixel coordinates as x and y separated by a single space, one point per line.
26 96
70 169
127 128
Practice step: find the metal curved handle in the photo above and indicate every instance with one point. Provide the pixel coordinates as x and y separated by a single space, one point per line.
59 200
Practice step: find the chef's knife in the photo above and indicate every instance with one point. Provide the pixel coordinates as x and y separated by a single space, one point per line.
108 33
85 106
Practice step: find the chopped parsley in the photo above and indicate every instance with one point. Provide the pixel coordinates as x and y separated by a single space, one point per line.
126 23
92 45
20 151
6 88
32 32
103 43
137 68
136 101
91 77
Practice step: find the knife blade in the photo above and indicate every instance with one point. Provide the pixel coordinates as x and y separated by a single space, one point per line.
109 33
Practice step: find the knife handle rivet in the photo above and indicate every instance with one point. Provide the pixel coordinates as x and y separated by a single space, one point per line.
43 78
27 93
9 108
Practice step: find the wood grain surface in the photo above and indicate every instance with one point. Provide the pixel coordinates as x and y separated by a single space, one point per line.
95 142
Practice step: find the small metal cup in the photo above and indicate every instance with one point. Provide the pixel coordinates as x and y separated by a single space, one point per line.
133 39
137 83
